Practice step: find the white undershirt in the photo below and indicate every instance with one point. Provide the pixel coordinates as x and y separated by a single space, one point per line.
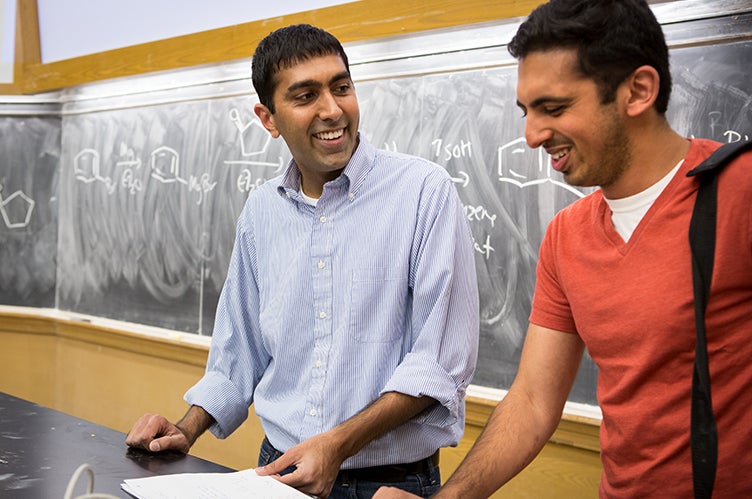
308 199
627 212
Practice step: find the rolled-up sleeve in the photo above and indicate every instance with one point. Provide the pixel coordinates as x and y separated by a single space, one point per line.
445 313
237 358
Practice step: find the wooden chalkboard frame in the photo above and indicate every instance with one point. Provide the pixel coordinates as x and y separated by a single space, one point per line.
350 22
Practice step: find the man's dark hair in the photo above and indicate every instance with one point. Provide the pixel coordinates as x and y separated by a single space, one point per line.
612 39
284 48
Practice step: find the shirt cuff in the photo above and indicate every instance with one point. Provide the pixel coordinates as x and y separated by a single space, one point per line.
418 376
218 396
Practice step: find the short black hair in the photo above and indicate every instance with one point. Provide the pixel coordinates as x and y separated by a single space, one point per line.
286 47
612 39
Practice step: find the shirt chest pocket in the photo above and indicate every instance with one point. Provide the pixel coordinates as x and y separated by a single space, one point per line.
378 305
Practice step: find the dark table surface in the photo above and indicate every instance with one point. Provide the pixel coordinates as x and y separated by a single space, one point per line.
40 449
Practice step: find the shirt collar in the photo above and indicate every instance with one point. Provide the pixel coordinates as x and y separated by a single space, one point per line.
355 172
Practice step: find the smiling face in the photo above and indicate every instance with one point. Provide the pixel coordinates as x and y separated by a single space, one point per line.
587 140
317 114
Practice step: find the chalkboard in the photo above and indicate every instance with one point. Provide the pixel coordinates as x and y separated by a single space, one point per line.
469 123
148 202
712 95
29 168
150 188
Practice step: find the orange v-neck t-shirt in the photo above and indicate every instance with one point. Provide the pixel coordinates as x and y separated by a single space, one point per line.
632 305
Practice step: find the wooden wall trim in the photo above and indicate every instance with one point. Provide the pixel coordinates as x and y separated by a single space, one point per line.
573 431
24 323
162 348
27 48
10 89
356 21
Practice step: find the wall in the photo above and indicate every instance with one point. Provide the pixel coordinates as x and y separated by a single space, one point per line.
7 37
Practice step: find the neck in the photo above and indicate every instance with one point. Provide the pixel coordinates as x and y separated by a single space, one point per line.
654 151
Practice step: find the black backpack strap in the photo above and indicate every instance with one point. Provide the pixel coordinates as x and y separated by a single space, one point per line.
704 434
721 156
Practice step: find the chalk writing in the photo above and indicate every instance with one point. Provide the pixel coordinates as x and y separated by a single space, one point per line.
479 214
16 209
130 163
452 151
734 136
246 150
164 164
484 248
521 166
246 183
391 146
87 168
463 178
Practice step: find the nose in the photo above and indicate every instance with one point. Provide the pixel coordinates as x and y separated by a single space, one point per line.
329 109
536 131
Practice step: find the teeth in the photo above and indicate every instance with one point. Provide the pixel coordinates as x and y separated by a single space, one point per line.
330 135
559 155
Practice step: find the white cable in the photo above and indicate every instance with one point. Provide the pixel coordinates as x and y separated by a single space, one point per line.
89 492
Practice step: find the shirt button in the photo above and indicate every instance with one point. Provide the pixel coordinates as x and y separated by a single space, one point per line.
313 412
322 315
321 264
323 219
351 196
319 363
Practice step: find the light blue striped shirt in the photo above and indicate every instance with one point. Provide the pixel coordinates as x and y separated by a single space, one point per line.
325 308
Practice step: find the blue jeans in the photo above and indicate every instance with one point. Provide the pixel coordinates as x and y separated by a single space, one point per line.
421 484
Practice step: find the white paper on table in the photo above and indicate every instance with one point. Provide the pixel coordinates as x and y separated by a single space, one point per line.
232 485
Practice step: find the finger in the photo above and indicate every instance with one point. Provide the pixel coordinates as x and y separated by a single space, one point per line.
145 429
386 492
139 435
277 466
307 485
175 441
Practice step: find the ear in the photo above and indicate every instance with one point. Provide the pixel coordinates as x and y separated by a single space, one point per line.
641 90
267 119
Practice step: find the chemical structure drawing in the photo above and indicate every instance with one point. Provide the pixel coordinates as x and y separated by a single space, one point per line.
87 169
244 134
521 166
164 165
16 209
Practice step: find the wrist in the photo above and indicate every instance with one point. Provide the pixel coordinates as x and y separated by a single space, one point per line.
342 443
189 435
194 423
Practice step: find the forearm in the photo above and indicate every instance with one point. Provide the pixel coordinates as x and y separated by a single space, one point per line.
510 441
383 415
195 422
524 420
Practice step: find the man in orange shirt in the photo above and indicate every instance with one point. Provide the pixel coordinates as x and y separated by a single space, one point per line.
615 273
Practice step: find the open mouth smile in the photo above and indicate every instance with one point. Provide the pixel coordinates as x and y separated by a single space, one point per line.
330 135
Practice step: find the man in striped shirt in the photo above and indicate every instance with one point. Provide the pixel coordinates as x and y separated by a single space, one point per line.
349 316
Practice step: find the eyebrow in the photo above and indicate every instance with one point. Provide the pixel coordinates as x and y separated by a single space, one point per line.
541 101
314 83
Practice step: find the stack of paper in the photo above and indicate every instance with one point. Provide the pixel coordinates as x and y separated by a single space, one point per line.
244 483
